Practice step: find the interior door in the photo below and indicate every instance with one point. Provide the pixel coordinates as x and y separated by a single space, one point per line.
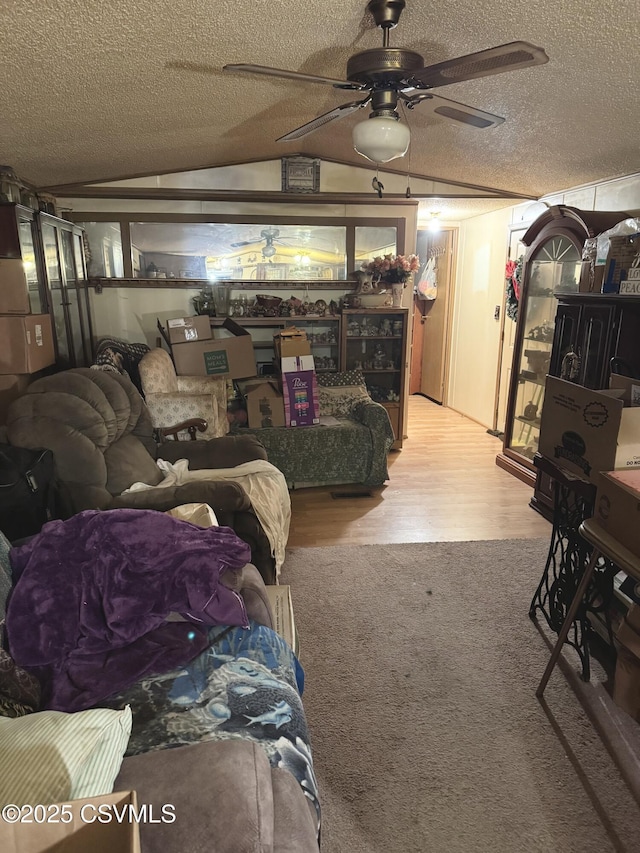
437 247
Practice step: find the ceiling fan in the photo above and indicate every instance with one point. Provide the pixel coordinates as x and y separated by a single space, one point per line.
393 74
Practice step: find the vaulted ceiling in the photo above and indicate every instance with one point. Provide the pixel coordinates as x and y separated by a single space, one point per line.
91 91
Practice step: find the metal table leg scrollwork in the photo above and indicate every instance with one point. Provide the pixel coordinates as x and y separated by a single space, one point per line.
567 559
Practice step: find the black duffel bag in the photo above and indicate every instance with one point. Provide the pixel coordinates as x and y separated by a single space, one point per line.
29 494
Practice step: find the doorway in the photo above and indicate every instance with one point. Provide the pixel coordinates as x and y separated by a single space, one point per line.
431 316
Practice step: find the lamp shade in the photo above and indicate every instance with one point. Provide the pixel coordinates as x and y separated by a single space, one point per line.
381 139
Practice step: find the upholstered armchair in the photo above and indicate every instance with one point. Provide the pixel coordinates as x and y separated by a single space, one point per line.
100 432
173 399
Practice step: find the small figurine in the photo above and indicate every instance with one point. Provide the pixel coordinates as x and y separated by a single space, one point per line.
379 358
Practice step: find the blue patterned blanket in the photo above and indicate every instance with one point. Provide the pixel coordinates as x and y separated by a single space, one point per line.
247 684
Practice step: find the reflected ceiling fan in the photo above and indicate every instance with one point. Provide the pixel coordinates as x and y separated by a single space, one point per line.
268 235
393 74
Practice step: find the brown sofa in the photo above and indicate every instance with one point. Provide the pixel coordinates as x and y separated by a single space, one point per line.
226 794
100 432
227 797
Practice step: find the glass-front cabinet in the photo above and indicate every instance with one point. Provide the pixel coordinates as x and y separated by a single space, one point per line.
552 336
66 278
374 341
19 242
553 267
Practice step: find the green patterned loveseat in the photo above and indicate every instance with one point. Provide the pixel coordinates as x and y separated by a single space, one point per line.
352 450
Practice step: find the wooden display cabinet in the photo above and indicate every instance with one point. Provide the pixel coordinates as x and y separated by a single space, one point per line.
375 341
66 281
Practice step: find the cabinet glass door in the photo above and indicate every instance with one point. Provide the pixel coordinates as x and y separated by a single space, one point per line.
28 252
374 345
323 335
54 277
554 268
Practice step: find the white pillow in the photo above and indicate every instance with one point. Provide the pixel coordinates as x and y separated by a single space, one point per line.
49 756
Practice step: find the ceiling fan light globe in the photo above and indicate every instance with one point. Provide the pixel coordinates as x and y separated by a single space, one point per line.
268 251
381 139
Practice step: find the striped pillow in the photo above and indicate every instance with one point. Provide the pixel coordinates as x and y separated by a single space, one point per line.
49 756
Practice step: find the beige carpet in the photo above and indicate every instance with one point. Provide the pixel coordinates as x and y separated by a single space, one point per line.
421 666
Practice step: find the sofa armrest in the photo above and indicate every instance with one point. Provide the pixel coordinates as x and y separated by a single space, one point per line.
374 416
249 584
191 426
222 496
225 452
168 408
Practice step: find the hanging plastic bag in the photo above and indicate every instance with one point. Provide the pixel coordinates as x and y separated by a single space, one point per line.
427 286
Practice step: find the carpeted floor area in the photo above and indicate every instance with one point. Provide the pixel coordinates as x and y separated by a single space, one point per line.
421 667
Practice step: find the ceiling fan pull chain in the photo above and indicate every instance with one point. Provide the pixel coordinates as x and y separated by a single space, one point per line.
406 119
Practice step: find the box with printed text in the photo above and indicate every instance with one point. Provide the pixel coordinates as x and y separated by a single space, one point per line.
300 391
587 431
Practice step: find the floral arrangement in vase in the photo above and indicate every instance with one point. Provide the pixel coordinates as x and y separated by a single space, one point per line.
392 269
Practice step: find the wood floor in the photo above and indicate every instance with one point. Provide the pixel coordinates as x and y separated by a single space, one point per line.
444 486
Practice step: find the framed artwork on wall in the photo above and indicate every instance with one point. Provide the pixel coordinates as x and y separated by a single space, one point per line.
300 175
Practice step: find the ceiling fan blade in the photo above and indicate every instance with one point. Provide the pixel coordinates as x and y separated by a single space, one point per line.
455 111
293 75
484 63
314 124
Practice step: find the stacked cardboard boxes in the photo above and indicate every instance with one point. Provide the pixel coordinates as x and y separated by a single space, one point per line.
298 378
197 353
26 339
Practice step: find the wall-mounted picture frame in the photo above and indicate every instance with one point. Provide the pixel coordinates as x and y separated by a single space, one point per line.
300 175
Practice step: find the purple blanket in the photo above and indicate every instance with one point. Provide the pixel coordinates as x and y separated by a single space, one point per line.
87 612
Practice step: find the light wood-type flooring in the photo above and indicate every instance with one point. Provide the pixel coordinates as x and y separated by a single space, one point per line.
444 486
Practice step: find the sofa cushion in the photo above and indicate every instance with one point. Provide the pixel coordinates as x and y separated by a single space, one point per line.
128 462
19 690
49 756
223 794
344 377
340 399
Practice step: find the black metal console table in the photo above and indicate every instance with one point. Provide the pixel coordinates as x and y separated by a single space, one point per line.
567 560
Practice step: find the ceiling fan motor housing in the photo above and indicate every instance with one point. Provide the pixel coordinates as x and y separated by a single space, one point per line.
384 66
386 13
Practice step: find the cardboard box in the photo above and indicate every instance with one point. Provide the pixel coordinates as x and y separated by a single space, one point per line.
184 329
617 508
26 343
83 832
233 357
282 607
291 341
264 402
626 686
300 391
631 285
589 431
14 290
623 253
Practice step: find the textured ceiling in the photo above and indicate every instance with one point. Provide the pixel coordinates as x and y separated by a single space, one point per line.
87 93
